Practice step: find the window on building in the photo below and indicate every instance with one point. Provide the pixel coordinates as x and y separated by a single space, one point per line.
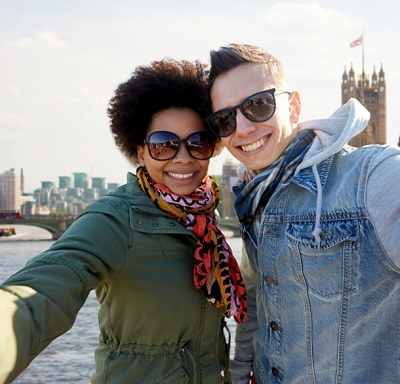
351 88
381 89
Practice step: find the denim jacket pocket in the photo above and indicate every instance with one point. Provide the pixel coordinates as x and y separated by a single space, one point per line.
332 269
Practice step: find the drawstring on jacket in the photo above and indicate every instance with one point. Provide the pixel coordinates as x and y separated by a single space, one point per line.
331 135
317 229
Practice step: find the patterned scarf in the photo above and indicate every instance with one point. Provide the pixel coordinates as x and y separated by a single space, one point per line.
216 272
253 193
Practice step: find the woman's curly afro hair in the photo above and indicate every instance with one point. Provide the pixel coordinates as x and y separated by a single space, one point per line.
159 86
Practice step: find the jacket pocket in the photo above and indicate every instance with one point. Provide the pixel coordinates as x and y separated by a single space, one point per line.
333 268
179 376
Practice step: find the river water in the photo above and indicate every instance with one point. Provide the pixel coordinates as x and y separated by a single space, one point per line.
70 358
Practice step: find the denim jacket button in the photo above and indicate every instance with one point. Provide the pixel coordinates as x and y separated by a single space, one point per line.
140 222
270 280
276 373
274 326
155 224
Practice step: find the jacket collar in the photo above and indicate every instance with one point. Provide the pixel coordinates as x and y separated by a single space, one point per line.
306 179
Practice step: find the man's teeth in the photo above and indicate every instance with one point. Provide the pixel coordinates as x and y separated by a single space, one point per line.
181 175
254 146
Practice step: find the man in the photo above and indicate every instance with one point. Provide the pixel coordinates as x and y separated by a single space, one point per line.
320 223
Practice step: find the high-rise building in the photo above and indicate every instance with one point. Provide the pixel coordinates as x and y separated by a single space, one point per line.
99 182
80 180
22 181
65 197
228 179
373 96
10 191
28 204
47 185
64 182
112 186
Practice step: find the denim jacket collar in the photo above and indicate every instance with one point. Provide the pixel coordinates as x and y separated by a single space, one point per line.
306 178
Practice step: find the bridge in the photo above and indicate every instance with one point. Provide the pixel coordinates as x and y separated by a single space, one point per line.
55 225
58 225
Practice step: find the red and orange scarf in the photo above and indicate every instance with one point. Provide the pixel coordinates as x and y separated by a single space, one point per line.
216 271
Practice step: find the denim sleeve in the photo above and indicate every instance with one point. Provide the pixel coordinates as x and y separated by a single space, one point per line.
242 364
383 200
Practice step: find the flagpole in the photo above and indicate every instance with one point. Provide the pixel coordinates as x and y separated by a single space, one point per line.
362 50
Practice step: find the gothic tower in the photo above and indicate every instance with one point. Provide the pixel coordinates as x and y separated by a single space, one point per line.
373 97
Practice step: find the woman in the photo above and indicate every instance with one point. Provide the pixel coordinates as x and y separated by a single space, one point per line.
163 272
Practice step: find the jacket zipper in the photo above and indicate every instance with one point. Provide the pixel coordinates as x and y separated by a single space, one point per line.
185 349
199 335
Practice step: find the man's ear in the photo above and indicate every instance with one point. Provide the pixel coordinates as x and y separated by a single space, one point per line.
295 107
140 153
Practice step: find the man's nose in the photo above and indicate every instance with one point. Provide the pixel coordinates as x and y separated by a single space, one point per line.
244 126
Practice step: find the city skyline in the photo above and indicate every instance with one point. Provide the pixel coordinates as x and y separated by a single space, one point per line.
61 62
62 180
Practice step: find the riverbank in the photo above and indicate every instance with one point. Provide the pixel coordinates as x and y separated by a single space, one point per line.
27 233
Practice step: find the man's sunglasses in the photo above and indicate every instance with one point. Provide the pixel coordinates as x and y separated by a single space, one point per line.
164 145
257 108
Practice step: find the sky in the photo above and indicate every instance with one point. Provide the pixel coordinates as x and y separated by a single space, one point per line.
60 62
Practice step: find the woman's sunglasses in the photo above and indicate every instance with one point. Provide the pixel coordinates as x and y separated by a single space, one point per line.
164 145
257 108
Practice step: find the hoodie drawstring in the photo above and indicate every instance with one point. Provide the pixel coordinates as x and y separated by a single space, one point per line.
317 229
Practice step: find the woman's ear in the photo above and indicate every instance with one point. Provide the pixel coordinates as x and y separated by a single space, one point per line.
295 107
140 152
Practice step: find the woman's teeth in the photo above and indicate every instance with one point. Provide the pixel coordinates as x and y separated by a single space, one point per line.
181 175
254 146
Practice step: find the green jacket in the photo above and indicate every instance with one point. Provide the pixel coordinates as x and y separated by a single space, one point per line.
155 327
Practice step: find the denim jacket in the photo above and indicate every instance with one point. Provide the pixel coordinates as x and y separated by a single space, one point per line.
323 287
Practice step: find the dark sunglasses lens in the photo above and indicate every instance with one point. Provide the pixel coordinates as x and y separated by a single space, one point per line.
163 145
223 123
200 145
259 107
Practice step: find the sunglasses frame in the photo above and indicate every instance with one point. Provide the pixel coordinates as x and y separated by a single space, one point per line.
240 106
179 140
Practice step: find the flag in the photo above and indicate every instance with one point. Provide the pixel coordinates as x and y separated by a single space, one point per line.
356 42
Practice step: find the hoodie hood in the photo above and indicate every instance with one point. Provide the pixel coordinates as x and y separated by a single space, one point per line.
332 133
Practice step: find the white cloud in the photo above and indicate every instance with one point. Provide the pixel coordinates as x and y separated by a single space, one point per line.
42 38
50 38
23 42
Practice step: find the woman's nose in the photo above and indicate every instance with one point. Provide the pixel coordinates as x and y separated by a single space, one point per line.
183 154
